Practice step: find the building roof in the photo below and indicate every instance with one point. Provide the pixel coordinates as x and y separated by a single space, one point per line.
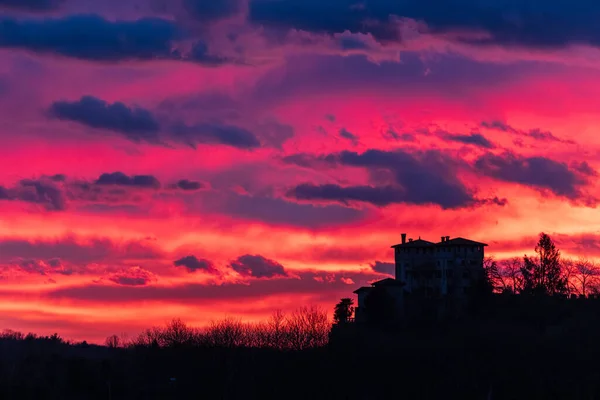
388 282
451 242
415 243
460 242
383 282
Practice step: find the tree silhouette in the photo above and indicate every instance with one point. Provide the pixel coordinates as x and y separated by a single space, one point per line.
343 311
543 274
483 287
492 279
583 275
511 273
112 341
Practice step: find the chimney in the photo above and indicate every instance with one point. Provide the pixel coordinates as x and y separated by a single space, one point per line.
443 238
410 240
403 238
447 238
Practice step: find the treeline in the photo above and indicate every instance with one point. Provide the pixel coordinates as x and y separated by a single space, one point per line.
545 273
307 327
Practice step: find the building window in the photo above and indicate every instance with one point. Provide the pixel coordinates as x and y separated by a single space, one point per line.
449 273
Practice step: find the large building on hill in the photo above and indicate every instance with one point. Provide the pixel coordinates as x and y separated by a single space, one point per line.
426 272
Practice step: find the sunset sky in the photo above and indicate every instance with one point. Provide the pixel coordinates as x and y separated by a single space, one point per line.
203 159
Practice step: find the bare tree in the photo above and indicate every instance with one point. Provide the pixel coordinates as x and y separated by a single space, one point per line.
308 327
149 337
588 273
569 268
277 330
112 341
229 332
510 272
176 334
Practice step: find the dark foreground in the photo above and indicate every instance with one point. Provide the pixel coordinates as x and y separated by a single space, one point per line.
485 360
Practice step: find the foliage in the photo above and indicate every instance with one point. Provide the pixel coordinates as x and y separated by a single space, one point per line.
543 274
343 311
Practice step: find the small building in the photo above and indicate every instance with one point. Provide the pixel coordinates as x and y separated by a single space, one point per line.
393 287
429 274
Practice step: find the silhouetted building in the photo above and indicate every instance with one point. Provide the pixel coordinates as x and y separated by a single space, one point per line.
430 277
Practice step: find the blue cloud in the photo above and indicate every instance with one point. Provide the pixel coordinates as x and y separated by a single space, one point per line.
211 10
137 124
120 179
526 22
216 133
91 37
539 172
257 266
475 139
193 264
421 178
31 5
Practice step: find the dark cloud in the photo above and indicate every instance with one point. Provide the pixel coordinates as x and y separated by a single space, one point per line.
140 125
391 134
58 178
136 124
208 10
539 172
384 267
524 23
214 133
547 136
31 5
421 178
347 42
275 134
202 54
72 251
587 244
584 168
454 77
349 136
187 185
39 191
379 196
278 211
475 139
339 253
498 125
44 267
324 286
193 264
120 179
333 16
330 117
134 276
306 160
257 266
536 134
91 37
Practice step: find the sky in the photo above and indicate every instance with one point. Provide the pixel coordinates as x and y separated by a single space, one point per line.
208 159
